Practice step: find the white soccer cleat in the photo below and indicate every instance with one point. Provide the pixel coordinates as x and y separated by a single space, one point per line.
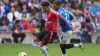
81 46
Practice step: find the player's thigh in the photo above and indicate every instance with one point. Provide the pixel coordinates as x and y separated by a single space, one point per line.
46 38
54 36
40 35
65 38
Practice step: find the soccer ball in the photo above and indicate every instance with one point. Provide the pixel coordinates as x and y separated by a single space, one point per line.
22 54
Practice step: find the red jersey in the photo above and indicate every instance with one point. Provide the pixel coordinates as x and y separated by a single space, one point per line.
52 20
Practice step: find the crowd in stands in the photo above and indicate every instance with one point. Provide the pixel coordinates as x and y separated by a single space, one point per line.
27 15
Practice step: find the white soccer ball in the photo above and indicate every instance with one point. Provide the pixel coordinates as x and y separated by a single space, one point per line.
22 54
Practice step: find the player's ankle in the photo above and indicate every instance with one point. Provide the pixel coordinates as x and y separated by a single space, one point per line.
63 54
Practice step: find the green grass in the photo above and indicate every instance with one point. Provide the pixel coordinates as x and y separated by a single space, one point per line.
54 50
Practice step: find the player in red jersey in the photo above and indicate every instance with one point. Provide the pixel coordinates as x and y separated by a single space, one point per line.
45 35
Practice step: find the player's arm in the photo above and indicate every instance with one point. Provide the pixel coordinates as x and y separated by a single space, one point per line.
61 17
71 16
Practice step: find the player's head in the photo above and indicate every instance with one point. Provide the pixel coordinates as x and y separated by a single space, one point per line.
45 6
57 5
95 3
65 4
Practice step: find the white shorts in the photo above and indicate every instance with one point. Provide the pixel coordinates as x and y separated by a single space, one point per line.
65 37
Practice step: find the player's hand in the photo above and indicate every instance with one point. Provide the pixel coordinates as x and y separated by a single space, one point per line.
71 28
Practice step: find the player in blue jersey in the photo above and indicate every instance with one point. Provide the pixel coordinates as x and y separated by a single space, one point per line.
66 28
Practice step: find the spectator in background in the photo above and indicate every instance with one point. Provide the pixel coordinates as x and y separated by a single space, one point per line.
33 25
77 11
51 1
99 2
97 21
11 2
32 8
2 8
94 8
24 6
17 32
13 15
75 4
25 14
76 27
24 20
23 2
16 5
4 23
35 9
6 1
79 16
86 10
87 29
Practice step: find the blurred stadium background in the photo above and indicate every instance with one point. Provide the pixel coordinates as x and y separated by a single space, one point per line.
28 16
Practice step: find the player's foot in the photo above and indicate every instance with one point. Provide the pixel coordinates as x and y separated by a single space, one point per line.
81 46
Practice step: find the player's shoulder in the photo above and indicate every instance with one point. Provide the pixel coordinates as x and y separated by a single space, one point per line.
53 11
61 10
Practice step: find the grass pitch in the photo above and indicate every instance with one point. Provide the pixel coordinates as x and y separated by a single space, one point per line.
54 50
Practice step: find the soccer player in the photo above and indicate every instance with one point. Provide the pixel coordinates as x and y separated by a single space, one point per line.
66 32
45 35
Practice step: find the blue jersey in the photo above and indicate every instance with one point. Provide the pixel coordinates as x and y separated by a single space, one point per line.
68 16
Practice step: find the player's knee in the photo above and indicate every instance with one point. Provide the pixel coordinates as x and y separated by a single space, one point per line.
40 44
64 46
35 39
61 46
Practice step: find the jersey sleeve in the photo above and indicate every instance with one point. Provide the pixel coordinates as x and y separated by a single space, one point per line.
60 11
58 15
71 16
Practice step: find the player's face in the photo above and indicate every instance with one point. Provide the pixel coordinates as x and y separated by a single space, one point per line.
56 7
45 9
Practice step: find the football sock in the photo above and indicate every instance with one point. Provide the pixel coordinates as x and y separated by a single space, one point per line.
44 50
66 46
63 50
63 54
76 45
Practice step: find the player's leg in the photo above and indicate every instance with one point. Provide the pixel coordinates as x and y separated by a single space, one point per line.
64 47
65 42
38 37
54 37
42 44
70 45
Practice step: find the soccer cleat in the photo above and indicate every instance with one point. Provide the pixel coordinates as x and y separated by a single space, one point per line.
81 46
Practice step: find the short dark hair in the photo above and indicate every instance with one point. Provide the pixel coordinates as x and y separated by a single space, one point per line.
57 3
46 3
65 2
